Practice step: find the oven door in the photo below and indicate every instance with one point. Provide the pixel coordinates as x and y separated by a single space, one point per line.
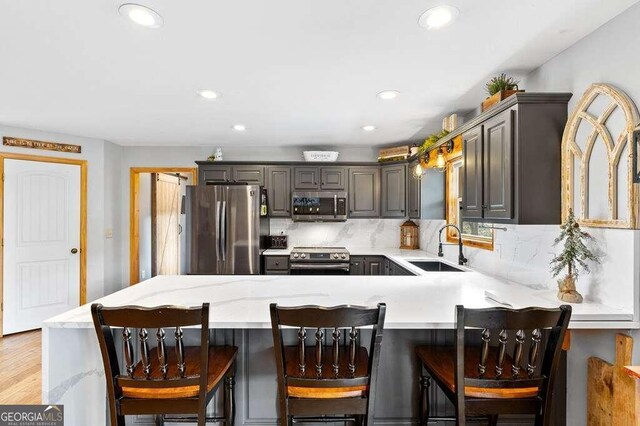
319 268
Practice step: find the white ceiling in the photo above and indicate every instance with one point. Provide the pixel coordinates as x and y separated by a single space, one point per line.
294 72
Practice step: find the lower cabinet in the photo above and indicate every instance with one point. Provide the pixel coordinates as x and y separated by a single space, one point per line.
376 265
367 265
394 269
276 265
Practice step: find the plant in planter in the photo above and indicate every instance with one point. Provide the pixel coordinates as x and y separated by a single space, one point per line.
498 88
574 255
432 140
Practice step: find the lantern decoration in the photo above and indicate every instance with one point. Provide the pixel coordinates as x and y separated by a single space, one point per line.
409 238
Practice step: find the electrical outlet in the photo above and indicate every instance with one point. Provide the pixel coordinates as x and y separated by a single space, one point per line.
109 233
143 274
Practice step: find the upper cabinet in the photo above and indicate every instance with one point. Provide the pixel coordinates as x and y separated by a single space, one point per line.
333 178
511 161
279 191
394 197
320 178
306 177
414 202
364 192
212 173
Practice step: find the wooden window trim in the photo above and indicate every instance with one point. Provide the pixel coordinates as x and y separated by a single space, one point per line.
452 212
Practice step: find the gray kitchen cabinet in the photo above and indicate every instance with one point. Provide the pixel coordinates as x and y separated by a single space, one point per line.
214 174
396 270
333 178
374 265
306 177
276 265
512 161
368 265
253 175
497 147
356 266
414 188
364 192
472 173
279 191
394 196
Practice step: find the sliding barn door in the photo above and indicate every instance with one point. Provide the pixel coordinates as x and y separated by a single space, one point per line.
166 196
41 268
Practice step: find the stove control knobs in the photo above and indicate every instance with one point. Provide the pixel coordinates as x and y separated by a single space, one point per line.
303 255
295 255
335 256
344 256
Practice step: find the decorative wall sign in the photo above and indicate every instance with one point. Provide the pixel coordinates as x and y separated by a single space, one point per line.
49 146
598 150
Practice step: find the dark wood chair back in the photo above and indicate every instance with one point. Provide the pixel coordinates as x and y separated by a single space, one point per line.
337 364
535 336
155 373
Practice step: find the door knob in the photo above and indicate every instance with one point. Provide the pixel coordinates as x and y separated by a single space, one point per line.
74 250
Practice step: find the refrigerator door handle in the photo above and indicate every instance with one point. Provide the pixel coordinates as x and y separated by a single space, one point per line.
335 205
218 230
223 233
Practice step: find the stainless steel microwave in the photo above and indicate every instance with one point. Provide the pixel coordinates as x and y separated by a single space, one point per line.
319 206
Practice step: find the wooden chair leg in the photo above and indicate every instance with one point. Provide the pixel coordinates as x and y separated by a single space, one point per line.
425 384
229 398
493 420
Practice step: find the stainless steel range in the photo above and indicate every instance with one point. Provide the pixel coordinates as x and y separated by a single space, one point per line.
319 261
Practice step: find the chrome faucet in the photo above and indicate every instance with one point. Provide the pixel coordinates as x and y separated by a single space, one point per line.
461 259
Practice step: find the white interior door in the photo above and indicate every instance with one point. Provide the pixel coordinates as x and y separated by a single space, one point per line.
41 268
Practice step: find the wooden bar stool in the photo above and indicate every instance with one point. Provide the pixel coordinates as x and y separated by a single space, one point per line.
163 381
327 382
494 382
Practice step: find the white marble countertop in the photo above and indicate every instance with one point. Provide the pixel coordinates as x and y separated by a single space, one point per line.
424 301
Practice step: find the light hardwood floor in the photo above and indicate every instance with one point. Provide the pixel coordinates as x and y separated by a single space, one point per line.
21 368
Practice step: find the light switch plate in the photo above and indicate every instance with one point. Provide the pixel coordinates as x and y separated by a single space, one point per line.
109 233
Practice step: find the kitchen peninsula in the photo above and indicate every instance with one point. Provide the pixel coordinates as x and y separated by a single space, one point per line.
420 309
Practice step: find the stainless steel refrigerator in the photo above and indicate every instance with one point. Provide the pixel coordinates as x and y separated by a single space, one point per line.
225 232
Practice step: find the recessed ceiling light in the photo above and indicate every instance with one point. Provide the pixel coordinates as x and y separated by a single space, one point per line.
239 127
369 128
209 94
438 17
387 95
141 15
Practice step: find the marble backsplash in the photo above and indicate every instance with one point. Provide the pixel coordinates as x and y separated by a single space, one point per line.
377 233
521 253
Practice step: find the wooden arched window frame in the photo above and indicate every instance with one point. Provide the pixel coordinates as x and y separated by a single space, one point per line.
578 159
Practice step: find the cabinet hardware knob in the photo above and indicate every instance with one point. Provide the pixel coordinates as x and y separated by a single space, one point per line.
74 250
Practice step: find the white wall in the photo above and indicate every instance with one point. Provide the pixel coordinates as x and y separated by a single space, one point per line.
103 198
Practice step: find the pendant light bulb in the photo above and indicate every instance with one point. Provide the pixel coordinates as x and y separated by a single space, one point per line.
418 171
440 163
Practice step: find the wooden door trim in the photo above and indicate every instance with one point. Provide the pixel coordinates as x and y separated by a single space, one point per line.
134 212
83 217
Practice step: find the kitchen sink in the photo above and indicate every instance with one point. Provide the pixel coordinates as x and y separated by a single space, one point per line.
434 266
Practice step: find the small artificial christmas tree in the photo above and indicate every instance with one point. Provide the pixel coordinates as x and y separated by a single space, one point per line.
574 255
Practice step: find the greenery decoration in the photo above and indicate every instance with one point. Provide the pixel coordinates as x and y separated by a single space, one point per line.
500 83
575 253
432 140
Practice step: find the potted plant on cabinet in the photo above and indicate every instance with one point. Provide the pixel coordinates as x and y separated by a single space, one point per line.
500 88
574 254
